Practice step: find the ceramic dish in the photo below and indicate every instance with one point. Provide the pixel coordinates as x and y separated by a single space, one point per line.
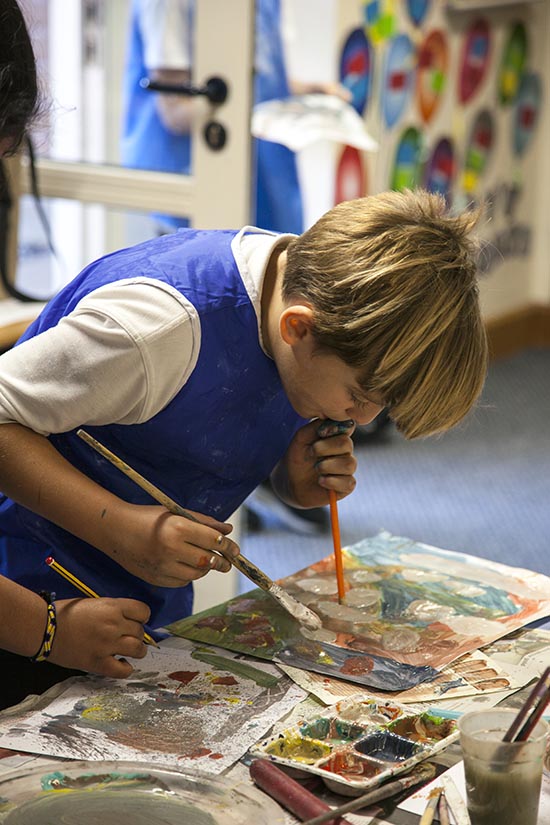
128 793
359 743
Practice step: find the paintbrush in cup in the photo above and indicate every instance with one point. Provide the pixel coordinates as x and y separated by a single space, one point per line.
299 611
337 544
533 708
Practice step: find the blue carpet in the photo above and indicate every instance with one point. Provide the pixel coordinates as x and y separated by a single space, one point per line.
483 488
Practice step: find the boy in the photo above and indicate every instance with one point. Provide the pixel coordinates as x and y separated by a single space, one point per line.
208 360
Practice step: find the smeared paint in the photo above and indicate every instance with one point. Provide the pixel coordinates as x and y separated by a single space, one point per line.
351 765
423 727
298 749
240 668
326 587
357 666
184 676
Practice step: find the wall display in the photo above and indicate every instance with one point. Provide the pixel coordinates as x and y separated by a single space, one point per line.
526 111
350 176
380 22
440 169
356 66
406 172
398 78
417 10
513 61
474 60
409 609
431 74
478 150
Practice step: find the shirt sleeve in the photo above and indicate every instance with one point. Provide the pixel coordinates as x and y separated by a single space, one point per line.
166 31
119 357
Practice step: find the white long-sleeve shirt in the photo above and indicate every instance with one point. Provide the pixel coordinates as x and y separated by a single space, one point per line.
121 355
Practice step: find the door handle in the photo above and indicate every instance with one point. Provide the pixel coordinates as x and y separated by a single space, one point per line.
215 88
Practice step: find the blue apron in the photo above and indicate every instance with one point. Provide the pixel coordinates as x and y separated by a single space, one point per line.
220 436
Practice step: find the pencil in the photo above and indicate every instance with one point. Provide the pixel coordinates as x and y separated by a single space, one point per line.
429 812
335 526
51 562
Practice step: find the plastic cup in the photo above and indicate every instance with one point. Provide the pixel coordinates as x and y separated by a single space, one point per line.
503 779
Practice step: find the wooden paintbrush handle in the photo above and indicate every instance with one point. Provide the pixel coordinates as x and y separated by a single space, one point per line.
246 567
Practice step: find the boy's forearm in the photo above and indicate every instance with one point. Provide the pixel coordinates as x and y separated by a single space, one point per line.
35 475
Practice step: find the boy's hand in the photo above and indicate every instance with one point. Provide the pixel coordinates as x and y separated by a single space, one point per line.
319 458
92 633
169 550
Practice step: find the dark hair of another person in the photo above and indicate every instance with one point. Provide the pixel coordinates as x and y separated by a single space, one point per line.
19 98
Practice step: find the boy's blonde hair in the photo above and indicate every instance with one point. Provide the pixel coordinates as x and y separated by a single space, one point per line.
393 287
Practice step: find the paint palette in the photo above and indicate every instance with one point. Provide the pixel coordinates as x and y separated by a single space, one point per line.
359 743
127 793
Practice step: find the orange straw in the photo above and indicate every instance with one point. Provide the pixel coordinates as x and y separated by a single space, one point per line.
337 545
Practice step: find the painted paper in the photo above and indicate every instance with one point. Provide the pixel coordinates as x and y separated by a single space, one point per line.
197 709
410 610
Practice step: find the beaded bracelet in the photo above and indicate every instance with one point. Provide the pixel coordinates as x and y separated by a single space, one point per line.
49 633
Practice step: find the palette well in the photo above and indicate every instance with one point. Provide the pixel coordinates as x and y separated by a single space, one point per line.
359 743
126 793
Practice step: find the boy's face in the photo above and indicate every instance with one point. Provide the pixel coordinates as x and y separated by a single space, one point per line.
323 386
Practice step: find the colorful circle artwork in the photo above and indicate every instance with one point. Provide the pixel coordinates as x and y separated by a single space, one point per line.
431 74
440 169
479 146
350 176
356 69
512 64
474 60
526 111
417 10
406 167
379 16
397 83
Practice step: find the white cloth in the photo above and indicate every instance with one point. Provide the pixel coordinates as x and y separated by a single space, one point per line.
121 355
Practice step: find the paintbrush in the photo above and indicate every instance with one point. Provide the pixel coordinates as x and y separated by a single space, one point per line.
533 708
299 611
335 526
443 810
421 774
429 812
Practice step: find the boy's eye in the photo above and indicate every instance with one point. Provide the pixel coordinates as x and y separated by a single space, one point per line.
358 402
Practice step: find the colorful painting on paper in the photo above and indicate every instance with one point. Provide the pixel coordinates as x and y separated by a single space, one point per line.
410 609
199 709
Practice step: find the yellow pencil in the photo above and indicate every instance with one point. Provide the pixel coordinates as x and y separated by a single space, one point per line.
51 562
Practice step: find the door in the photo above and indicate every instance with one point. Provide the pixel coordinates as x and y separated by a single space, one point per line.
91 203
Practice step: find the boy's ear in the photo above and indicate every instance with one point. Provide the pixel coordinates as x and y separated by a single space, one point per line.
296 323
